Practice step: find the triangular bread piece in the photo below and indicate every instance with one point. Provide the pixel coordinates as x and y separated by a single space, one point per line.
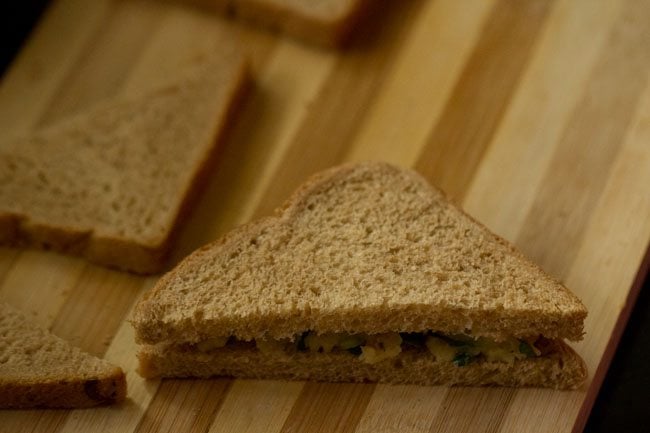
112 183
38 369
359 249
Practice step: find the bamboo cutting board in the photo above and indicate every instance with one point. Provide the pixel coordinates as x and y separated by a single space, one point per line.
535 115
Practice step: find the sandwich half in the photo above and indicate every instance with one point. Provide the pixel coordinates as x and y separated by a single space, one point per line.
367 273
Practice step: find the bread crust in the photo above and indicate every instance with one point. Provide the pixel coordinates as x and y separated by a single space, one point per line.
562 368
39 369
64 393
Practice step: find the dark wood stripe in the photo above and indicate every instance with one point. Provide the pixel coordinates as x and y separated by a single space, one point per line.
8 257
473 410
336 113
458 141
593 136
32 420
184 405
328 407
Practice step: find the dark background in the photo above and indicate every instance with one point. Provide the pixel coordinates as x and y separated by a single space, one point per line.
623 403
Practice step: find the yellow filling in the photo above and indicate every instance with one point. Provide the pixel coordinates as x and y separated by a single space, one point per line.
374 348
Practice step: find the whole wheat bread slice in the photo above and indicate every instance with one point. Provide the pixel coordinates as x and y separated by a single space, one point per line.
326 23
561 368
38 369
361 248
112 183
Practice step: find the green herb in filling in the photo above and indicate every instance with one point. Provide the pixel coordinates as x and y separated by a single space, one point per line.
526 349
462 359
351 341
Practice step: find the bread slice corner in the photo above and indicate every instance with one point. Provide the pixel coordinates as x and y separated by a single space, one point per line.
113 183
38 369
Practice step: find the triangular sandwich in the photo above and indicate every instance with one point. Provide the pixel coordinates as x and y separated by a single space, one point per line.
38 369
367 273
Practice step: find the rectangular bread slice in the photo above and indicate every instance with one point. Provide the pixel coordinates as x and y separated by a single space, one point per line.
112 183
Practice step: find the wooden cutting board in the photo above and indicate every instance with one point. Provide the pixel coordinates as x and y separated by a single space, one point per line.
535 115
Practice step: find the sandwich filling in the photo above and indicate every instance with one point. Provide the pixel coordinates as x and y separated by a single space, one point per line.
460 349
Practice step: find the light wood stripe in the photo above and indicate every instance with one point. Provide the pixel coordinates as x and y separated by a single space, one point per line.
264 404
328 407
585 153
601 267
541 410
461 406
402 408
188 405
93 312
140 391
515 163
41 293
464 130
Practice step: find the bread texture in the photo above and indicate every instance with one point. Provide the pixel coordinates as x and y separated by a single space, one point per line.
38 369
360 248
326 23
562 368
112 183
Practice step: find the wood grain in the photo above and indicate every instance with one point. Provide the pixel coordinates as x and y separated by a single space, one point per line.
535 115
483 89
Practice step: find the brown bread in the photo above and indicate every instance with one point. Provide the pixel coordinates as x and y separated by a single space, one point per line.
363 248
111 184
38 369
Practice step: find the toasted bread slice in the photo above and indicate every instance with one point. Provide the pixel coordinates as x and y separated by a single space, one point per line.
112 183
38 369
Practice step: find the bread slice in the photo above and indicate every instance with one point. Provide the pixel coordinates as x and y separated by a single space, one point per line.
112 183
363 248
38 369
322 22
562 368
